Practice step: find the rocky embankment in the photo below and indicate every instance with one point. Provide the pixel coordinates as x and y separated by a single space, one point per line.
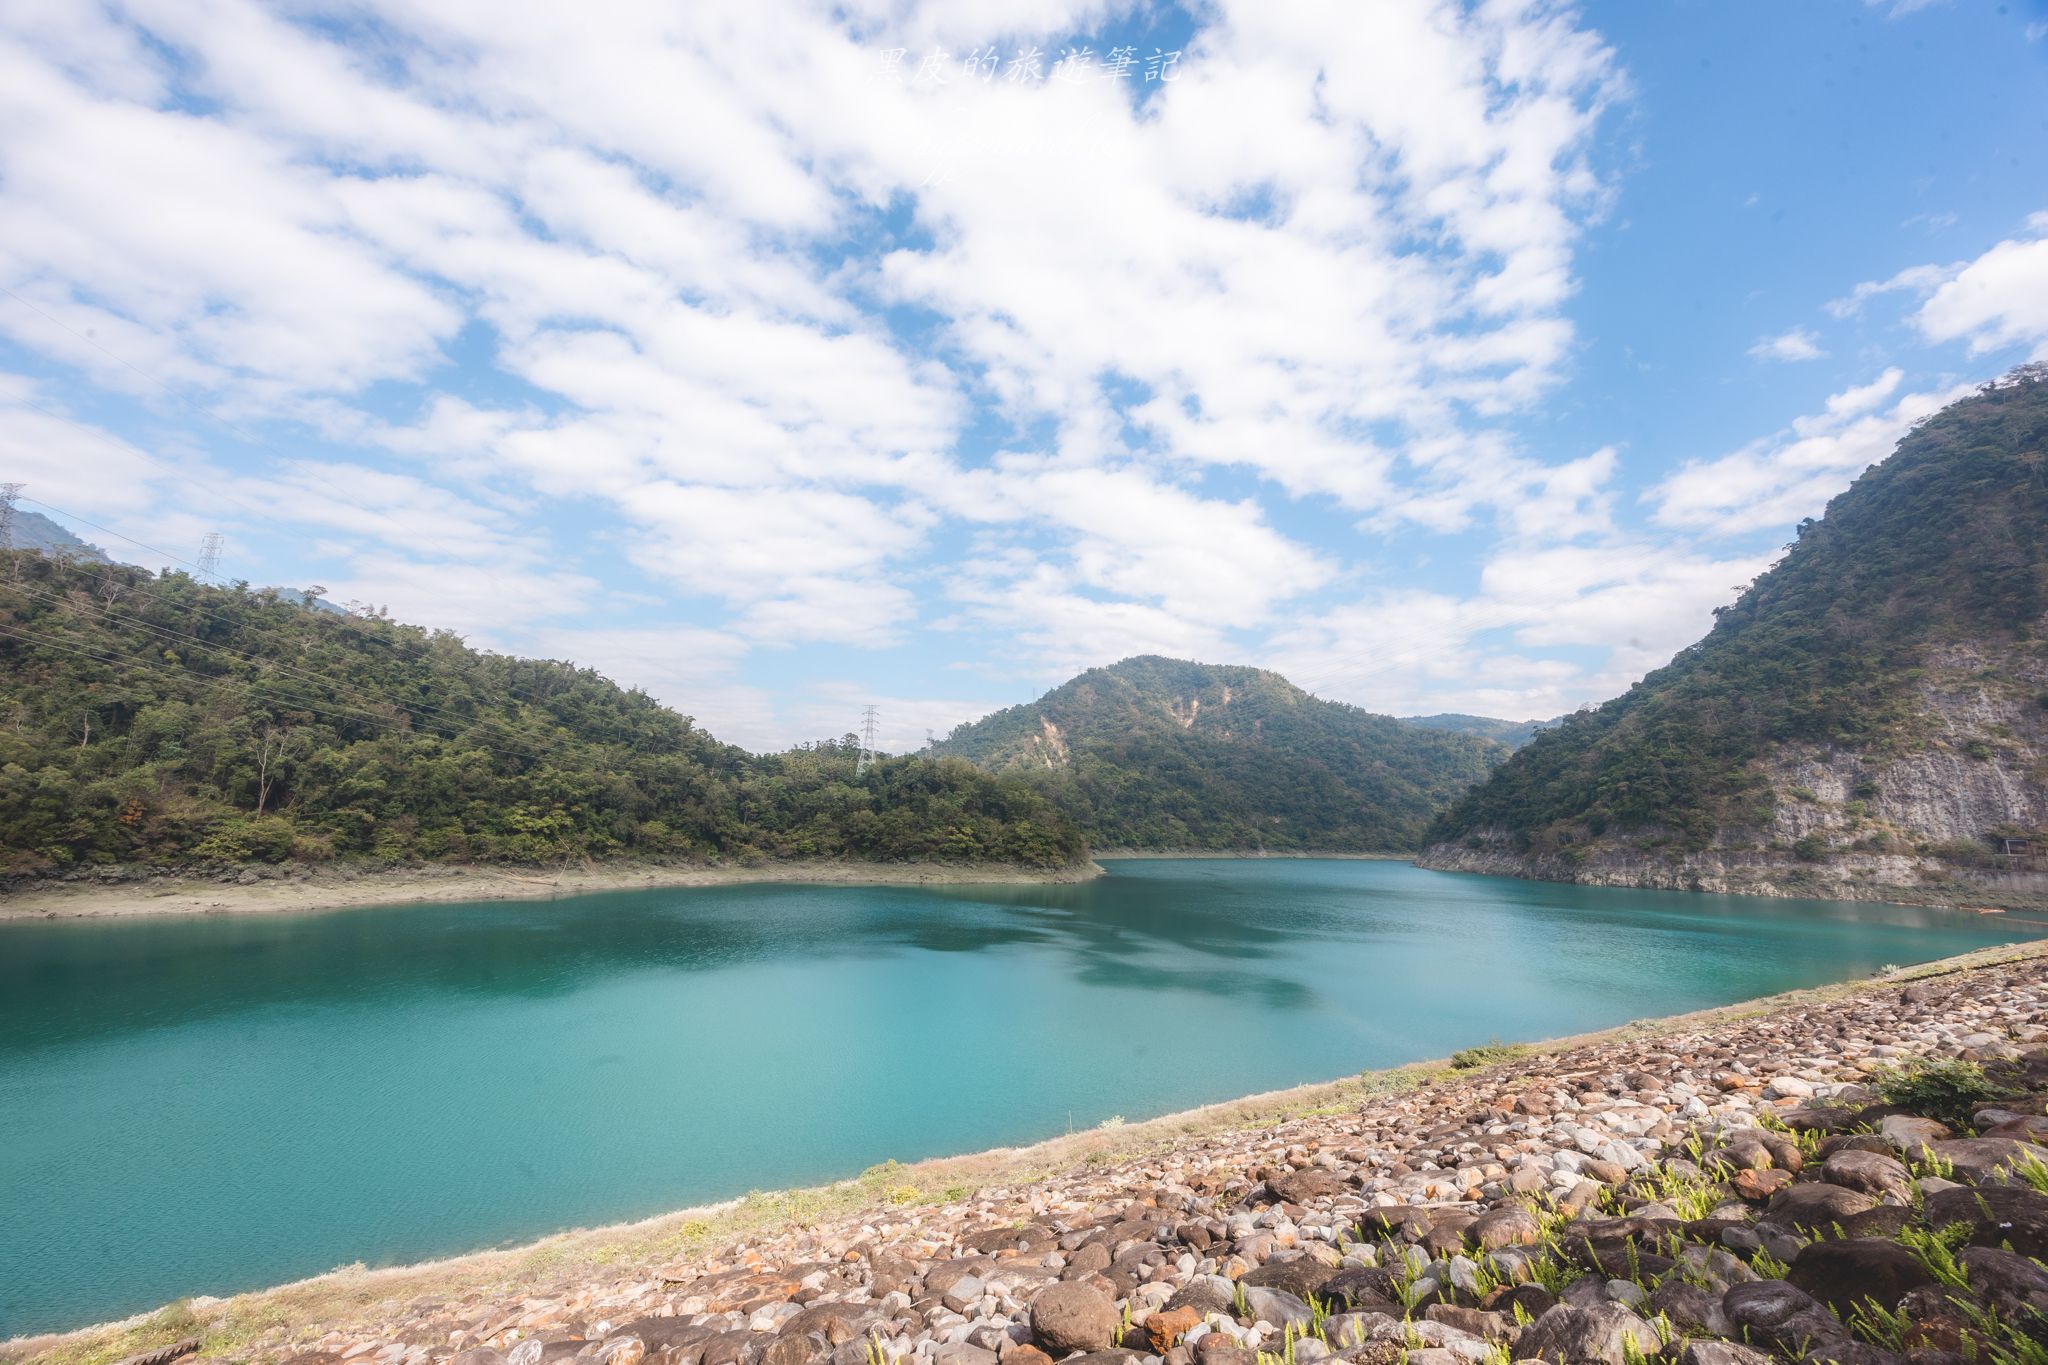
1733 1190
1919 820
1901 879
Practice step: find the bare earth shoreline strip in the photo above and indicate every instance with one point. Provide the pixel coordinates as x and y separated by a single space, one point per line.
341 889
254 1325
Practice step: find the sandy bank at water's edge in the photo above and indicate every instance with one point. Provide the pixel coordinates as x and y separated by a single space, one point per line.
1250 855
343 888
259 1324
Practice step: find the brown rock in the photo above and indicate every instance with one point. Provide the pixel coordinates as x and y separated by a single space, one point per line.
1299 1276
1868 1172
1304 1187
1586 1336
1758 1186
1477 1321
1987 1160
1816 1205
1997 1215
163 1355
1072 1317
1505 1227
1165 1328
1774 1313
835 1322
1847 1273
1092 1259
792 1350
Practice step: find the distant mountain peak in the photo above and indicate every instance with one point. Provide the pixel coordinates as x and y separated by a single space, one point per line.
1155 752
34 531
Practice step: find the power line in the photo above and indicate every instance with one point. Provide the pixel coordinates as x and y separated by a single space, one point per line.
110 531
419 711
167 632
309 470
297 700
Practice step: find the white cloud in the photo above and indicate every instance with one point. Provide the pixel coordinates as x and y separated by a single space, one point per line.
1915 279
473 599
832 709
1780 479
686 667
1630 604
73 464
634 264
1797 344
2000 299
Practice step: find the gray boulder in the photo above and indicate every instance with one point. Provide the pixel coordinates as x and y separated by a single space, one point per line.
1586 1336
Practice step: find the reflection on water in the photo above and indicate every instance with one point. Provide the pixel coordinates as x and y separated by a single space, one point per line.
211 1103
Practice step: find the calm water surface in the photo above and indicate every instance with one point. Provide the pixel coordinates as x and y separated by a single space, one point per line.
203 1105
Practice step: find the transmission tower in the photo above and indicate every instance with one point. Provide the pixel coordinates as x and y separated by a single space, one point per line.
8 493
868 720
209 554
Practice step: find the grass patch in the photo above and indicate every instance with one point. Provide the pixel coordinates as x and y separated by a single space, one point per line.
1949 1090
1486 1054
1936 1249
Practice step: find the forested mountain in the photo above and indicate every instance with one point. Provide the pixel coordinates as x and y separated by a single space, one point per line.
1871 715
1513 733
160 721
34 531
1156 753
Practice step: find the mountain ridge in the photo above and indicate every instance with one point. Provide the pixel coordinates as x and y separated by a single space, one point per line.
1869 720
1513 733
1163 755
160 722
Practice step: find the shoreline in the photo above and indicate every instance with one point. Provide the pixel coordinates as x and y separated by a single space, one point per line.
1248 855
1842 879
348 889
351 1296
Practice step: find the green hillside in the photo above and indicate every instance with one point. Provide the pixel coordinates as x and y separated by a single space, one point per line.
1156 753
1897 650
159 721
1513 733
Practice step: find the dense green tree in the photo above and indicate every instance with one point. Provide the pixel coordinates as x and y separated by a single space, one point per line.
1164 754
156 720
1944 542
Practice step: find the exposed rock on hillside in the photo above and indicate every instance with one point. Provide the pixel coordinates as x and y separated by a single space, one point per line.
1869 720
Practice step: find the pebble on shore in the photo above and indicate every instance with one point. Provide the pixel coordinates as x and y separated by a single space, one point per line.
1727 1196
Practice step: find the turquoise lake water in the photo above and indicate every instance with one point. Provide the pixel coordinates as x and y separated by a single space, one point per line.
199 1105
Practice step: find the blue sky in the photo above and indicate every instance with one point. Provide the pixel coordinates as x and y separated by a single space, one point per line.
1443 356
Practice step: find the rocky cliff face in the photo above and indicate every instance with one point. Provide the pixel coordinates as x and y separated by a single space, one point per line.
1869 718
1929 821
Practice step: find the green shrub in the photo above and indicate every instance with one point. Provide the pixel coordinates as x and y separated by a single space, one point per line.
1472 1058
1949 1090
